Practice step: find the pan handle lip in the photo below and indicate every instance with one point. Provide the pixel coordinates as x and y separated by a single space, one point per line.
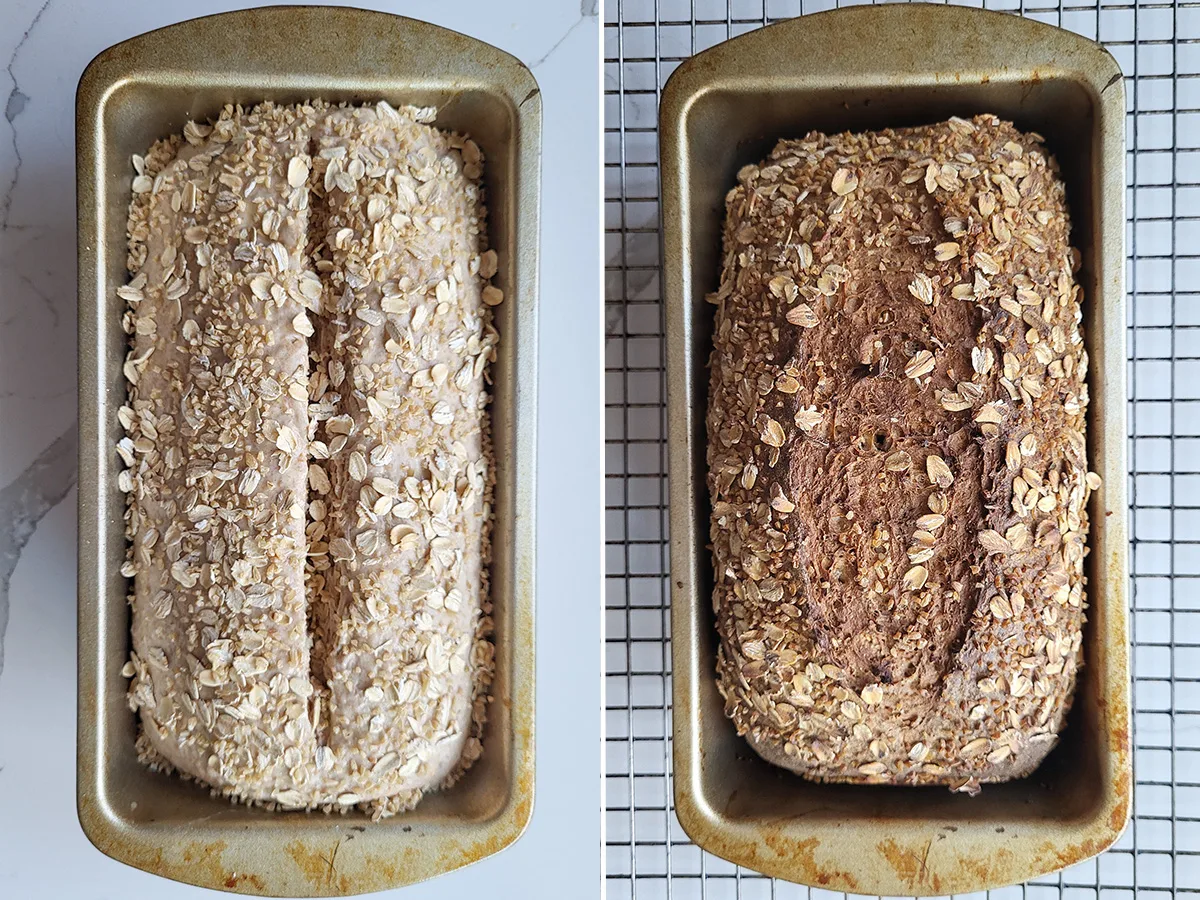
332 39
781 52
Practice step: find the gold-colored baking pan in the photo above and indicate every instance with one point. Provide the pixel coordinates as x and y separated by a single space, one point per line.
864 68
147 88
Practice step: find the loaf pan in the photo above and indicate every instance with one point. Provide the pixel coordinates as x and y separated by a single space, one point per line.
145 89
856 69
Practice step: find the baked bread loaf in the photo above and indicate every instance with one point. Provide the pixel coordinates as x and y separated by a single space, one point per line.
309 468
896 455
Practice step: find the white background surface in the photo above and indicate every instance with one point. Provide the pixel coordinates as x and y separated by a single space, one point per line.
43 852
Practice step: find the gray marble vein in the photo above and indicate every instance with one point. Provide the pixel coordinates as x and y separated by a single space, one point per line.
42 296
587 9
23 503
15 105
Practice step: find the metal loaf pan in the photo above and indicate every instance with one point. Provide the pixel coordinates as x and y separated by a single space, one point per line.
147 88
866 68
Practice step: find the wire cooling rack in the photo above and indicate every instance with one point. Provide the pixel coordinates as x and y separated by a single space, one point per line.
1158 48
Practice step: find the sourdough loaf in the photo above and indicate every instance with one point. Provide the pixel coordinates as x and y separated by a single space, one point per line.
309 468
896 455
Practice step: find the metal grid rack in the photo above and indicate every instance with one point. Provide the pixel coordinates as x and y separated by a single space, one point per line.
1158 47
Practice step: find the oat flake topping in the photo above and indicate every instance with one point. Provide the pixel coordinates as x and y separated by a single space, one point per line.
308 461
898 471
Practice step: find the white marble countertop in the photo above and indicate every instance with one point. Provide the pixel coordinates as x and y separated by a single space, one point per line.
44 45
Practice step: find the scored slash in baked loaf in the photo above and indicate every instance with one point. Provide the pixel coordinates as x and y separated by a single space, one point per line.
896 455
309 465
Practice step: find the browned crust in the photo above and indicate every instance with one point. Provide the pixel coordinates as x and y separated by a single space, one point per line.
896 455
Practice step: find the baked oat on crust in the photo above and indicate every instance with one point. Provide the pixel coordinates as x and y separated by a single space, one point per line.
309 471
896 455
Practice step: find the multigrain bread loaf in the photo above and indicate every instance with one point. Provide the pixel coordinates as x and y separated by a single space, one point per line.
896 455
309 468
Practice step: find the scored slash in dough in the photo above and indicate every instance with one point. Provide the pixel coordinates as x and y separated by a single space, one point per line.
309 464
896 455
